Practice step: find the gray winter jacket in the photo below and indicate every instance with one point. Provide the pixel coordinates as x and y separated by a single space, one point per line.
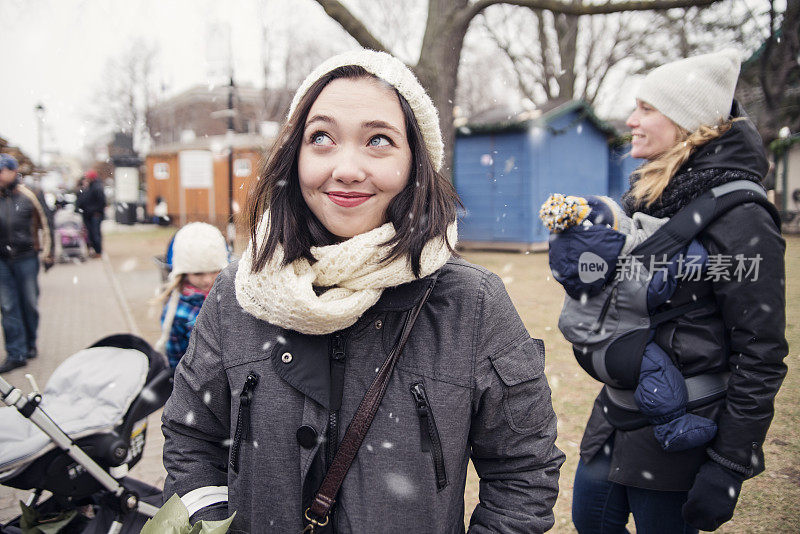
469 384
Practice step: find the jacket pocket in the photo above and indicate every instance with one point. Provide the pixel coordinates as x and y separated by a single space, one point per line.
429 434
242 419
526 397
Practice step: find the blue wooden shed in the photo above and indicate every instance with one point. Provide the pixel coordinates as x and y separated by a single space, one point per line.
504 170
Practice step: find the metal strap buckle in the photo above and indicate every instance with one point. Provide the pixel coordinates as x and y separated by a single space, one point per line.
314 523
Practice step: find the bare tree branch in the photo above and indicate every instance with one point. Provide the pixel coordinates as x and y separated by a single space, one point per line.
338 12
557 6
517 61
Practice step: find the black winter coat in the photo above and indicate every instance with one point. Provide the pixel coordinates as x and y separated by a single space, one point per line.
92 199
742 331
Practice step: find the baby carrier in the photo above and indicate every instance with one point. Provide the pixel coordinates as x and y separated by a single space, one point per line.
610 325
78 439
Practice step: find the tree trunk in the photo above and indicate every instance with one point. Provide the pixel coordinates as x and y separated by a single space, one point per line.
437 68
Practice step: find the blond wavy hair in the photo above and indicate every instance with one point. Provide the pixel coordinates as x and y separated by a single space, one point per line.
652 178
173 284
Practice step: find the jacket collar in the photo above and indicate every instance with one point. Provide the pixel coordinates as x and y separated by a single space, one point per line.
6 190
308 368
740 148
404 297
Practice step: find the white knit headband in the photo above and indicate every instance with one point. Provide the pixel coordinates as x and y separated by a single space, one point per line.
394 72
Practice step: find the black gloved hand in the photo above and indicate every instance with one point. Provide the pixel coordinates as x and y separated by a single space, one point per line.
48 263
713 496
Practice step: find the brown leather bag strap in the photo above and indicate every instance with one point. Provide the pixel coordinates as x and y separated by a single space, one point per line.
317 513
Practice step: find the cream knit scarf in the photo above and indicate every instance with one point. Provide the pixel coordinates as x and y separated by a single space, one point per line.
285 296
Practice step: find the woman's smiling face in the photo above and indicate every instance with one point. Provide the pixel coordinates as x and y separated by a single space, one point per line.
355 156
652 133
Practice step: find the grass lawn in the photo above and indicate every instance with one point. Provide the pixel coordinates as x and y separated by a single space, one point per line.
769 503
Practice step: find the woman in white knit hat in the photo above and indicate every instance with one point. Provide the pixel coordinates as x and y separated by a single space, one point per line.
694 137
199 253
349 291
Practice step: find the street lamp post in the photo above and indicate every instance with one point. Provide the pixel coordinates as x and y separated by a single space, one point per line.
784 133
231 230
39 109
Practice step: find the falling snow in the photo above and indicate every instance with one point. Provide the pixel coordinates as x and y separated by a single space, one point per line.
207 397
128 265
387 445
281 340
189 417
647 475
148 395
400 485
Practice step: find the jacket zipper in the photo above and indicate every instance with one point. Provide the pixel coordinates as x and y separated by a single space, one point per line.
429 433
337 385
337 366
7 222
611 300
243 419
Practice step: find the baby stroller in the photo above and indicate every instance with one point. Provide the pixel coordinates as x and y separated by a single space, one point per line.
92 425
70 236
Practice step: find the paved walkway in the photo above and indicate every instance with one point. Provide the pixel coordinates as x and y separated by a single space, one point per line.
79 304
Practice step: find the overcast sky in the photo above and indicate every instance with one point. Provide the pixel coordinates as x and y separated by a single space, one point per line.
55 53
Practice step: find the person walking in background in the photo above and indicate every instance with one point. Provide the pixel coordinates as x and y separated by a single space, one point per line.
695 137
25 231
199 254
350 269
92 204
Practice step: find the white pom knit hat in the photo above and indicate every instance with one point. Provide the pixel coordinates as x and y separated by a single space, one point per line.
695 91
394 72
198 248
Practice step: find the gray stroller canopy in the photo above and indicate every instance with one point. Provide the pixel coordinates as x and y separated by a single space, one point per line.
90 392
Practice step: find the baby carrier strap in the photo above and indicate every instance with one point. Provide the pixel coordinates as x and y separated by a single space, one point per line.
692 219
620 409
619 405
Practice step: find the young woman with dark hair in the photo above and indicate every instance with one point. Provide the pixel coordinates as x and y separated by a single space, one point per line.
349 267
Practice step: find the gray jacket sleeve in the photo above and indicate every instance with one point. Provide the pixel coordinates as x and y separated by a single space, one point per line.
196 422
513 429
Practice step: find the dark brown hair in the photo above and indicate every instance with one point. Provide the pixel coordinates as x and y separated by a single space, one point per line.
420 212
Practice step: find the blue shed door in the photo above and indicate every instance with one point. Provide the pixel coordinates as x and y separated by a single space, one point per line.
490 184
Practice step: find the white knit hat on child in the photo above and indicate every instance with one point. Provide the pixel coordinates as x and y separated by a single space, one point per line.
198 248
693 92
394 72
